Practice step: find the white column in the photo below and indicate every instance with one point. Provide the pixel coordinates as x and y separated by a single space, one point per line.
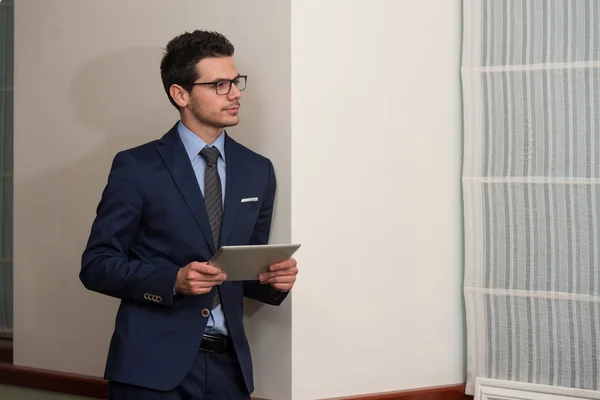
376 203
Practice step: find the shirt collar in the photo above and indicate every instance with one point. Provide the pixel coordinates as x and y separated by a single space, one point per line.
193 144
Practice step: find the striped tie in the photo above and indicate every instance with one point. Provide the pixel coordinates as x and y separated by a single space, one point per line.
213 200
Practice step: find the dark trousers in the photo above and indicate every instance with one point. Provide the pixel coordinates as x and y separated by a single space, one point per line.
213 376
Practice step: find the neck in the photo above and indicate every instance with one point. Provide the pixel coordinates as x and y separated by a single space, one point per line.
205 132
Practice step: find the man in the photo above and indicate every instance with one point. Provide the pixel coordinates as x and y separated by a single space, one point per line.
167 207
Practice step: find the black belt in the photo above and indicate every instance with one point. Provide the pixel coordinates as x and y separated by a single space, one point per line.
215 343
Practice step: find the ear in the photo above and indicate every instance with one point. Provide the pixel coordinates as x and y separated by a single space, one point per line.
179 95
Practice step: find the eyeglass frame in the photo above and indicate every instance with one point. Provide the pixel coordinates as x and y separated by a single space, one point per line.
215 83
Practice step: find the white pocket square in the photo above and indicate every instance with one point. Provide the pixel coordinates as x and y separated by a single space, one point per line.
249 199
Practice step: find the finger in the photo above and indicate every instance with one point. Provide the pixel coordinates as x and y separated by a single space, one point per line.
212 278
270 275
282 287
205 268
283 272
283 265
280 279
194 276
201 284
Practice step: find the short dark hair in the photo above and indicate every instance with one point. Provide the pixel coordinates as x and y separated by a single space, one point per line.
178 65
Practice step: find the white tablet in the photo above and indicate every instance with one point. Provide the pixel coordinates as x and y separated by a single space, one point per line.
245 263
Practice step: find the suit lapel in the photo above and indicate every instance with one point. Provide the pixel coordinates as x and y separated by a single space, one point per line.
233 171
176 159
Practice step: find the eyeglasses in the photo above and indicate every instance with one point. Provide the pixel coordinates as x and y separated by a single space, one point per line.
223 86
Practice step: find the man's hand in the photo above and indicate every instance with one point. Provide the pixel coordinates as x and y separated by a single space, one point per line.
281 276
198 278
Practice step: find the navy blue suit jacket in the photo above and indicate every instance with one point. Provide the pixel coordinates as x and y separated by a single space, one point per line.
150 222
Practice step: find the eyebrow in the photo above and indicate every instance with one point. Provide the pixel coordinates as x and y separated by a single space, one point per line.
226 79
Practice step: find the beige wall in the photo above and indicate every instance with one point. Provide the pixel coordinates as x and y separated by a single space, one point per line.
376 150
87 84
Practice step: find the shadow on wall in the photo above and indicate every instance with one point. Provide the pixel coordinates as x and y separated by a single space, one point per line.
120 97
122 94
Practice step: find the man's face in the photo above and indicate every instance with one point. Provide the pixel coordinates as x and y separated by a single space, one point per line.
209 107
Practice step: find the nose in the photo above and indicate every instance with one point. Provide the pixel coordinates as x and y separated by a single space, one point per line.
234 93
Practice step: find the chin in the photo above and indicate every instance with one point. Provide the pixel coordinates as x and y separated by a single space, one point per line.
231 122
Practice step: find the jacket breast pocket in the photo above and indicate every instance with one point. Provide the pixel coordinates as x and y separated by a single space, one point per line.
253 205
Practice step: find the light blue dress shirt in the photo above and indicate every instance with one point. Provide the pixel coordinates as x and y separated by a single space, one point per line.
193 144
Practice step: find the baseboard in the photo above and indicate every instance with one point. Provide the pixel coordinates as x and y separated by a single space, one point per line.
87 386
452 392
33 378
6 354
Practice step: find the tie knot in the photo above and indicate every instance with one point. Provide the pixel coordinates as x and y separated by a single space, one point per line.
210 154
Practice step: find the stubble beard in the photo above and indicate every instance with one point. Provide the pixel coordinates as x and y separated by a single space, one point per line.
214 121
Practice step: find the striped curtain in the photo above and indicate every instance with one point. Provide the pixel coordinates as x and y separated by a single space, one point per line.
531 180
6 165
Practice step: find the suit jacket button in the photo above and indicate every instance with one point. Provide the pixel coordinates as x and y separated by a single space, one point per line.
205 312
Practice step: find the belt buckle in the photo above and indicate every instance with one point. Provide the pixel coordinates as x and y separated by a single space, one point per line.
211 336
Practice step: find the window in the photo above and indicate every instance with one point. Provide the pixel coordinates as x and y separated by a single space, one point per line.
6 166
